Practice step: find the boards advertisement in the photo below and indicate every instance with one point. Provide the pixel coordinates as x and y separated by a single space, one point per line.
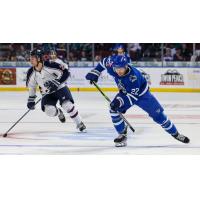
174 77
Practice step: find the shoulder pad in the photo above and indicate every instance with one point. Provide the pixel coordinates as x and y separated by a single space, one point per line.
107 62
53 65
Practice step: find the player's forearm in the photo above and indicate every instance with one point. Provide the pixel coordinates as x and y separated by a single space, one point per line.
64 76
32 91
100 68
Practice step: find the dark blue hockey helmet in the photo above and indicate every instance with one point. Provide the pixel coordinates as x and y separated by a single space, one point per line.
38 53
120 61
118 46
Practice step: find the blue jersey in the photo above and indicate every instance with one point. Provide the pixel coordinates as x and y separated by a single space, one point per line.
134 90
132 84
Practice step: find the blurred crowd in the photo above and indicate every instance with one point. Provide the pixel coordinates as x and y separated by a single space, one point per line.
95 52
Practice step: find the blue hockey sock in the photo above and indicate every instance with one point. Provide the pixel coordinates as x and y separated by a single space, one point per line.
165 123
169 127
118 122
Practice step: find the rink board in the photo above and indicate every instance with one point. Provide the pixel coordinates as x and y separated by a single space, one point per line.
165 79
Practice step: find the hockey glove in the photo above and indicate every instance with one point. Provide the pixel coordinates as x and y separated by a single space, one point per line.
93 76
51 86
116 105
31 102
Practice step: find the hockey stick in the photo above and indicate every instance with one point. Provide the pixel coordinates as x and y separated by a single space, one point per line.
120 114
6 133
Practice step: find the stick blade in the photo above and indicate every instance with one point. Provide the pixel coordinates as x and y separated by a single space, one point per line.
5 135
132 129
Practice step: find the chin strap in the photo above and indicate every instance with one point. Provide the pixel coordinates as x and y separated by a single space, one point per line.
127 70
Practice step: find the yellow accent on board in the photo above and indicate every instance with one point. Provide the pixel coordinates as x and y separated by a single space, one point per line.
75 89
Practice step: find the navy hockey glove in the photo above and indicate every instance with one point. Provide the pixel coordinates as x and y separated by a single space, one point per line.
51 86
31 102
93 76
116 105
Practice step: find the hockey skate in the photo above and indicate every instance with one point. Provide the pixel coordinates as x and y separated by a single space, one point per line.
81 127
181 138
61 116
121 140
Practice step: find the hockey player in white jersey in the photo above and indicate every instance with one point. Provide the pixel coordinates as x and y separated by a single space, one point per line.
51 78
52 54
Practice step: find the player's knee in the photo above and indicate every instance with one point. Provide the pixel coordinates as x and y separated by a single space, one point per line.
50 110
68 106
114 114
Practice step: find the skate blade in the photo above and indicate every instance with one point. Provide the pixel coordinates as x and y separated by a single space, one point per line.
121 144
83 131
184 142
62 120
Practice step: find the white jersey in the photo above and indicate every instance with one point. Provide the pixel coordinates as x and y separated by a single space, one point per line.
52 70
59 61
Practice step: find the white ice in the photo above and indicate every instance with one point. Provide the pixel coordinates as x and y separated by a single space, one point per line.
40 134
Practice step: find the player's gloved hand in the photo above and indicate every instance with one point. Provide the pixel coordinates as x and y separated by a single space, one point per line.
93 76
115 105
51 86
31 102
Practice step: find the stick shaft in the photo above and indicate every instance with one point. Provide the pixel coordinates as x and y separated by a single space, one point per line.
5 134
107 98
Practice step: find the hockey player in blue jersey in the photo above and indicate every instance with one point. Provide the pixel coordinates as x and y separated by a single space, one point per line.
119 50
133 90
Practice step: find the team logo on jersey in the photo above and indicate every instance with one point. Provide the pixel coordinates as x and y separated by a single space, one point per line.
132 78
158 110
121 87
172 77
109 63
62 67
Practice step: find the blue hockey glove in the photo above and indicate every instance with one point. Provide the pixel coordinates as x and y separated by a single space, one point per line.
116 105
31 102
93 76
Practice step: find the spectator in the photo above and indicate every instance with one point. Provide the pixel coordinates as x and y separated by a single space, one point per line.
98 58
168 55
83 51
151 52
178 56
72 57
135 51
186 53
196 56
83 56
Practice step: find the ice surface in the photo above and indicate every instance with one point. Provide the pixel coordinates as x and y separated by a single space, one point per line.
40 134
